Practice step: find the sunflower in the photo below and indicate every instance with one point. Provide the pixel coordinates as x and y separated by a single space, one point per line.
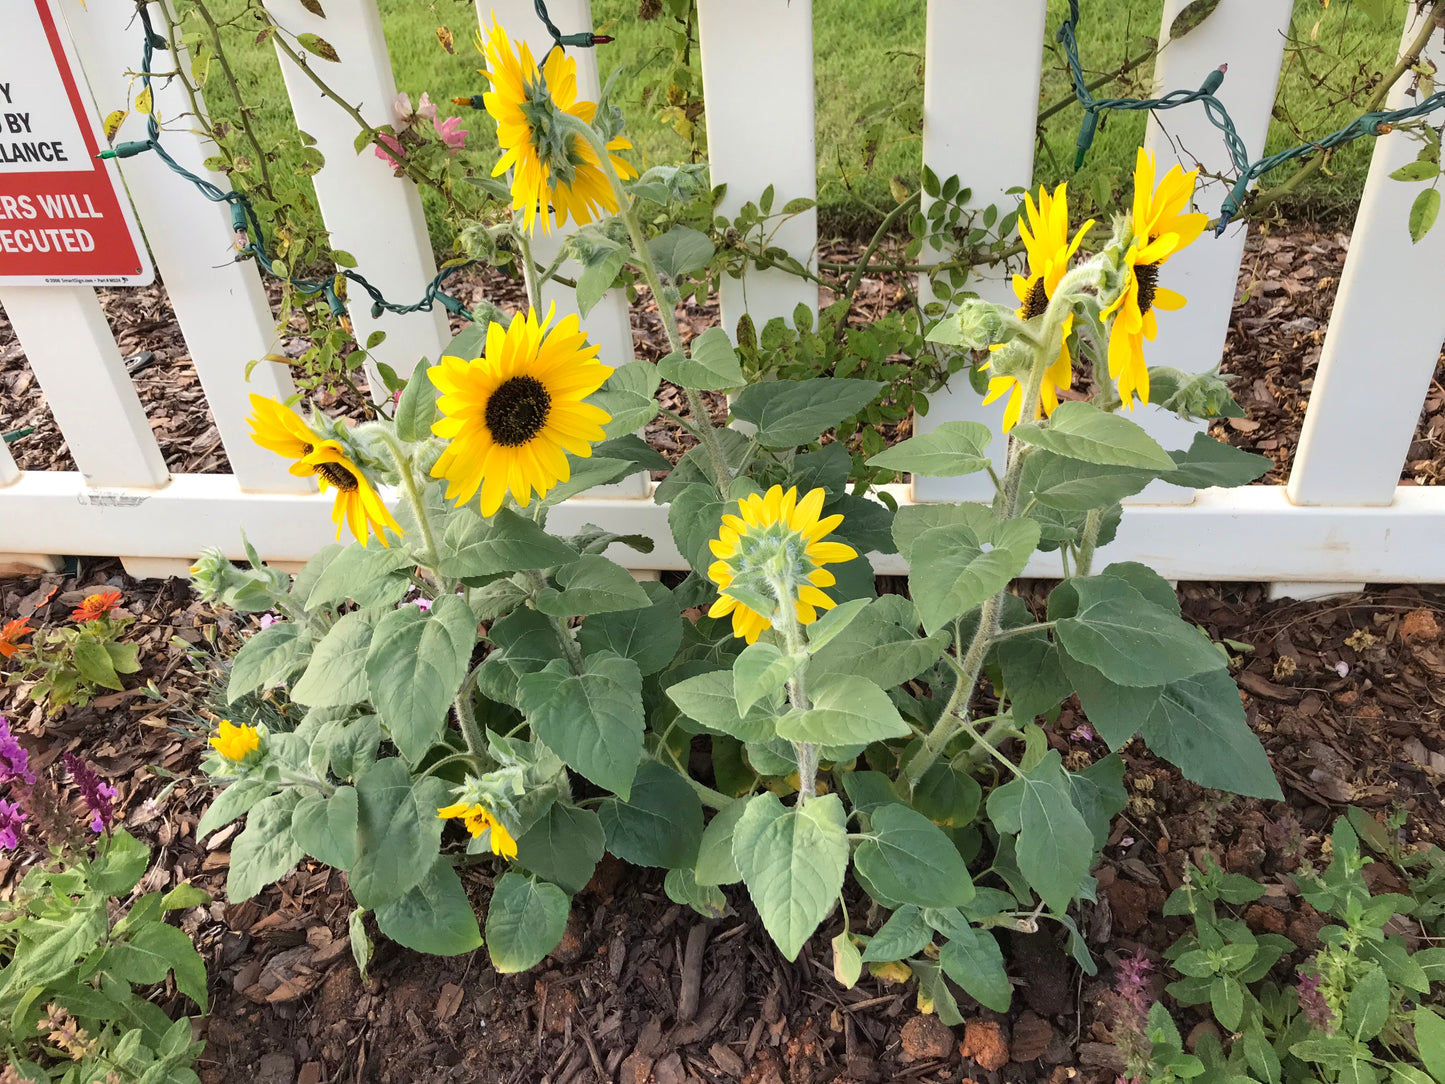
1161 228
96 606
11 635
1046 240
775 538
283 431
479 819
235 743
512 414
550 163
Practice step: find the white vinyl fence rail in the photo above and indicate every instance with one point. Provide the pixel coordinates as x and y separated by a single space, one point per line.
1342 519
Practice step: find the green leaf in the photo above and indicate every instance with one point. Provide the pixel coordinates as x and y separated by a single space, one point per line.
326 827
367 575
563 847
649 636
120 862
789 413
682 887
947 797
680 252
822 631
907 857
1422 169
336 675
232 802
759 672
1226 999
793 862
952 571
593 720
1055 846
266 850
592 585
94 664
473 546
597 278
950 450
1189 17
268 658
434 916
398 831
525 921
715 865
1130 639
1033 675
318 46
152 952
1368 1005
713 366
912 520
1074 485
1423 213
417 407
904 934
659 825
1098 793
1081 430
874 644
847 963
1430 1039
973 959
1209 462
628 396
414 668
694 515
185 895
847 710
709 699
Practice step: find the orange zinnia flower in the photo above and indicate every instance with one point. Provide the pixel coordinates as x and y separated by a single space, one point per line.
96 606
10 637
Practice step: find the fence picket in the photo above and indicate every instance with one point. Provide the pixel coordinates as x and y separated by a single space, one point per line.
987 104
9 472
371 214
1361 379
608 324
77 364
220 304
1248 35
757 75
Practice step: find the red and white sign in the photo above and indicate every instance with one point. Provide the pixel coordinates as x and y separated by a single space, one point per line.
64 216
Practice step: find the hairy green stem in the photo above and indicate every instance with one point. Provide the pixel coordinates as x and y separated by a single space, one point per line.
467 718
1093 520
529 273
413 496
787 622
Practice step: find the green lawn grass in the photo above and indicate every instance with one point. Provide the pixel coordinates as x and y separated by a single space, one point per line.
869 52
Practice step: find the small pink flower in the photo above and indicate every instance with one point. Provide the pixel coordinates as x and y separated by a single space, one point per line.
393 155
422 604
1083 732
267 620
426 108
402 111
452 133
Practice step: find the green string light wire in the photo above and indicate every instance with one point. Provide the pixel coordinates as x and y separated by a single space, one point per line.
1367 124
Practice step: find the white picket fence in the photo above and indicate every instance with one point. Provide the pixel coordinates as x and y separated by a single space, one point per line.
1342 519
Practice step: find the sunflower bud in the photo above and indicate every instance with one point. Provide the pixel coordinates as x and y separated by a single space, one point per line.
248 590
1193 395
975 326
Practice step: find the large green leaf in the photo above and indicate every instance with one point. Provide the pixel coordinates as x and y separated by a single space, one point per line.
847 710
952 572
972 959
269 658
592 584
151 952
597 277
505 542
1130 639
710 699
712 366
904 934
563 847
907 857
232 802
326 827
367 575
94 663
1033 675
398 831
679 252
266 850
1055 847
1098 793
593 720
793 862
950 450
525 920
417 407
912 520
650 635
694 515
336 675
1430 1038
946 796
1210 462
715 865
1075 485
120 863
659 825
874 644
434 916
629 396
760 671
1080 430
414 668
788 413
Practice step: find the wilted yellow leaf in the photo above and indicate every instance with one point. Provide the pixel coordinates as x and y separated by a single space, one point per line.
113 121
143 101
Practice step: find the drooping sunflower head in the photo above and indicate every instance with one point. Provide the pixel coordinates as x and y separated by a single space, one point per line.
234 742
480 821
551 163
512 415
1162 226
1045 234
772 554
330 462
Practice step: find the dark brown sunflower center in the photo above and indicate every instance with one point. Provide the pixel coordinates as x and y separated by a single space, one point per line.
1037 301
1148 276
517 411
334 473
